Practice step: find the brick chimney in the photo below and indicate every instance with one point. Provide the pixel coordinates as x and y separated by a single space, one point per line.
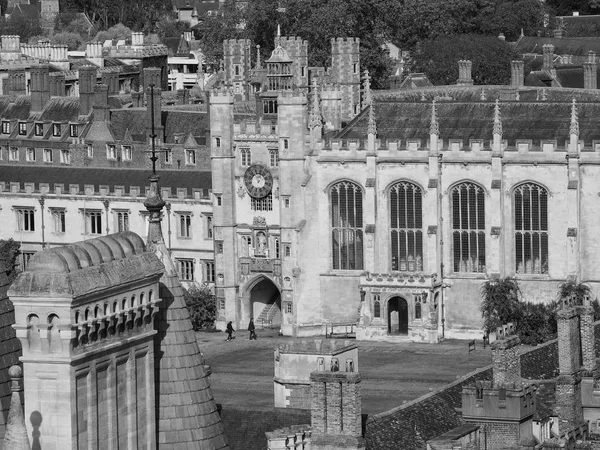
40 87
568 383
111 80
517 74
152 75
590 71
17 82
336 410
87 81
57 85
586 327
506 360
547 64
101 109
464 73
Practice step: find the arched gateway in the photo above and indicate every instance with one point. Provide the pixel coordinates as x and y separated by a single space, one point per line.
262 301
397 316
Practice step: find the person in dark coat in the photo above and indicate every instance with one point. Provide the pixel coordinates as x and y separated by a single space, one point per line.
251 329
230 330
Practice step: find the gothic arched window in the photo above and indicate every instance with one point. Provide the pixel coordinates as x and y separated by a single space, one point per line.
377 307
531 228
347 226
406 225
468 227
418 309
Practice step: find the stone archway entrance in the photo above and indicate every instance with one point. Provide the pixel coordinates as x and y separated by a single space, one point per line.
397 316
264 304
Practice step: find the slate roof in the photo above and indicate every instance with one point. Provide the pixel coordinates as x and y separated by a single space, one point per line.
562 46
175 123
465 120
57 109
66 176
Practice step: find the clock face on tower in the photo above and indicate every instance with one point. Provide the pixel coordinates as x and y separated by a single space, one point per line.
258 180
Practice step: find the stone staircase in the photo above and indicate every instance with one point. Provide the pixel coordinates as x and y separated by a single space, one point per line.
271 313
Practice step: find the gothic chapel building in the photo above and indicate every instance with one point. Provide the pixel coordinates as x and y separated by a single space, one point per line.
336 205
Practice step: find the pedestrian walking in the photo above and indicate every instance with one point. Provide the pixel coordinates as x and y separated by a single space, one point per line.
251 329
230 331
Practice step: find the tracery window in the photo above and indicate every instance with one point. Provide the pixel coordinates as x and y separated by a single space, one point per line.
262 204
468 228
406 224
377 306
347 232
531 228
246 157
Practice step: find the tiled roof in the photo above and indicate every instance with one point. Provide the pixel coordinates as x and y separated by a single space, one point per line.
102 177
57 109
188 417
465 120
175 122
562 46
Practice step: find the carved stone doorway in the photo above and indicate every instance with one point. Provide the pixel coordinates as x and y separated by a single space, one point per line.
397 316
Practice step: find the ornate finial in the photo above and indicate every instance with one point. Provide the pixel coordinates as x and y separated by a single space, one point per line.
367 100
497 119
574 128
372 126
544 95
316 120
16 433
483 96
278 37
434 127
423 98
258 56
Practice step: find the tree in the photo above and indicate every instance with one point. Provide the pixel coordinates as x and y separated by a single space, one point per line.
21 26
491 57
511 17
202 306
9 251
71 40
119 31
499 303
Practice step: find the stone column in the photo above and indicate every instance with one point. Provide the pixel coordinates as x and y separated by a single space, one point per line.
590 70
517 74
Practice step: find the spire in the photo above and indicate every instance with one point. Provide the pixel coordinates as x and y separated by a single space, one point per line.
372 127
497 119
434 127
278 37
16 433
316 119
258 56
367 100
574 128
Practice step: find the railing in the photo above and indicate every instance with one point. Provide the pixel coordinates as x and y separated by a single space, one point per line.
347 327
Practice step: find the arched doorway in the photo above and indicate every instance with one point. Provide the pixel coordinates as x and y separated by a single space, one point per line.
264 304
397 316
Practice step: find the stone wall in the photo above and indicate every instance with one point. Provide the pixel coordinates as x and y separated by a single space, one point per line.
434 414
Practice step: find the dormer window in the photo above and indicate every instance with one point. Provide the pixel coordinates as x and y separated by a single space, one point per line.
5 127
73 130
111 151
38 129
22 128
56 130
126 152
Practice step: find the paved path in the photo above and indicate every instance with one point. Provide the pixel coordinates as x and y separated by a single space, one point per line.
392 372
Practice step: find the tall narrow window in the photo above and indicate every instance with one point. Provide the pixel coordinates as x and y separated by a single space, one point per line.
274 157
93 222
190 157
185 268
531 229
347 226
59 220
25 219
209 227
406 215
185 225
246 157
468 228
377 306
122 220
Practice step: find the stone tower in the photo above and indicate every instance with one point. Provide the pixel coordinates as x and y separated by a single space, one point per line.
297 49
237 59
49 10
345 71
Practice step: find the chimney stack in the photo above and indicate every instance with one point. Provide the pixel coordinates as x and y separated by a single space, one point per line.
464 73
548 64
506 360
101 109
568 383
111 80
137 39
57 85
40 87
87 81
517 74
590 71
17 82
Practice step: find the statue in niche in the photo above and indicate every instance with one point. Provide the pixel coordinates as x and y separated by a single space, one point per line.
261 243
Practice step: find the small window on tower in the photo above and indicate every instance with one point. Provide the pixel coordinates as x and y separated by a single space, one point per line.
217 142
355 68
286 144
